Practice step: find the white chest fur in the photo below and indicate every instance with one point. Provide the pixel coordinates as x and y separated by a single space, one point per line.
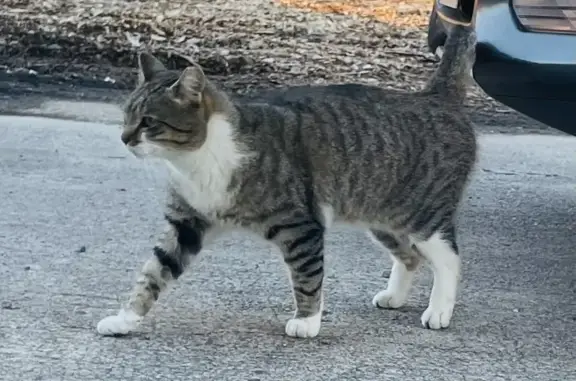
202 177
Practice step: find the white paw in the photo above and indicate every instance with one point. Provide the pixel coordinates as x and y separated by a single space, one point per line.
304 327
438 317
117 325
388 299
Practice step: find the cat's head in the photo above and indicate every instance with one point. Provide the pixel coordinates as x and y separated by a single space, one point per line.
168 112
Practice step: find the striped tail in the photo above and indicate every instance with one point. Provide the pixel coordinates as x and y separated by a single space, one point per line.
452 75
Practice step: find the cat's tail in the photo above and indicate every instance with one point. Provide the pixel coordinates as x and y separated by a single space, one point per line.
453 74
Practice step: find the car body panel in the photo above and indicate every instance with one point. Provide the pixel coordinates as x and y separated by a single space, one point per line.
531 72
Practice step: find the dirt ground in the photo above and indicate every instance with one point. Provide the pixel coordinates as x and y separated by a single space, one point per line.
244 45
400 13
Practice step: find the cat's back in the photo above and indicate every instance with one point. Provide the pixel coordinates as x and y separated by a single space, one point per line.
297 96
357 101
353 114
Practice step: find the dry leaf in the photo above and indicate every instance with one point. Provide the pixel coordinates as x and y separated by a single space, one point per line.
133 39
173 13
158 30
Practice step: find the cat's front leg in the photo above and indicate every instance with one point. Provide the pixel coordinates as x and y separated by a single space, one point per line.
179 244
302 243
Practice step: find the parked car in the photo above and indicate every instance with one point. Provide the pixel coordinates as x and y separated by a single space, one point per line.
525 53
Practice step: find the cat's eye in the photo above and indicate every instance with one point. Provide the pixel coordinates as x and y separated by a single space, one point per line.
145 122
148 122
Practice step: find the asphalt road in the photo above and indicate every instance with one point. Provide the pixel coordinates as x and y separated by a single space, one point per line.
78 216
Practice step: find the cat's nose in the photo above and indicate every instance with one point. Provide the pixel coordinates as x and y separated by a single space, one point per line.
126 137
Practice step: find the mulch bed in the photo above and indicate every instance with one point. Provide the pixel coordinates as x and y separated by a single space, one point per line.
243 44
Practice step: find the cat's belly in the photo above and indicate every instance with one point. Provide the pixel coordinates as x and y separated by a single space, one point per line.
333 218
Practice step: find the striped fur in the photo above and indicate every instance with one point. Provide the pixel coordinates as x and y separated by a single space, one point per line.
289 163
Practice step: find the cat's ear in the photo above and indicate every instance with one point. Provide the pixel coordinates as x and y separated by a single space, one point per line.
148 66
190 85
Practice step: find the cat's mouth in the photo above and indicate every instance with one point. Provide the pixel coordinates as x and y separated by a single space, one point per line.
144 149
137 150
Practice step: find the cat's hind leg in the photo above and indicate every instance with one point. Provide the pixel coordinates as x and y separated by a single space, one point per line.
405 259
441 251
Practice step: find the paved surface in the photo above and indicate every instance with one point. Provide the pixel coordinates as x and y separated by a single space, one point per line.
77 220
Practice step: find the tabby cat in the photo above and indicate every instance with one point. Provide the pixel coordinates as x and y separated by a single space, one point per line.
288 164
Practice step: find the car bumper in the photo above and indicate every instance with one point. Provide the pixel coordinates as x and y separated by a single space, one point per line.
534 73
